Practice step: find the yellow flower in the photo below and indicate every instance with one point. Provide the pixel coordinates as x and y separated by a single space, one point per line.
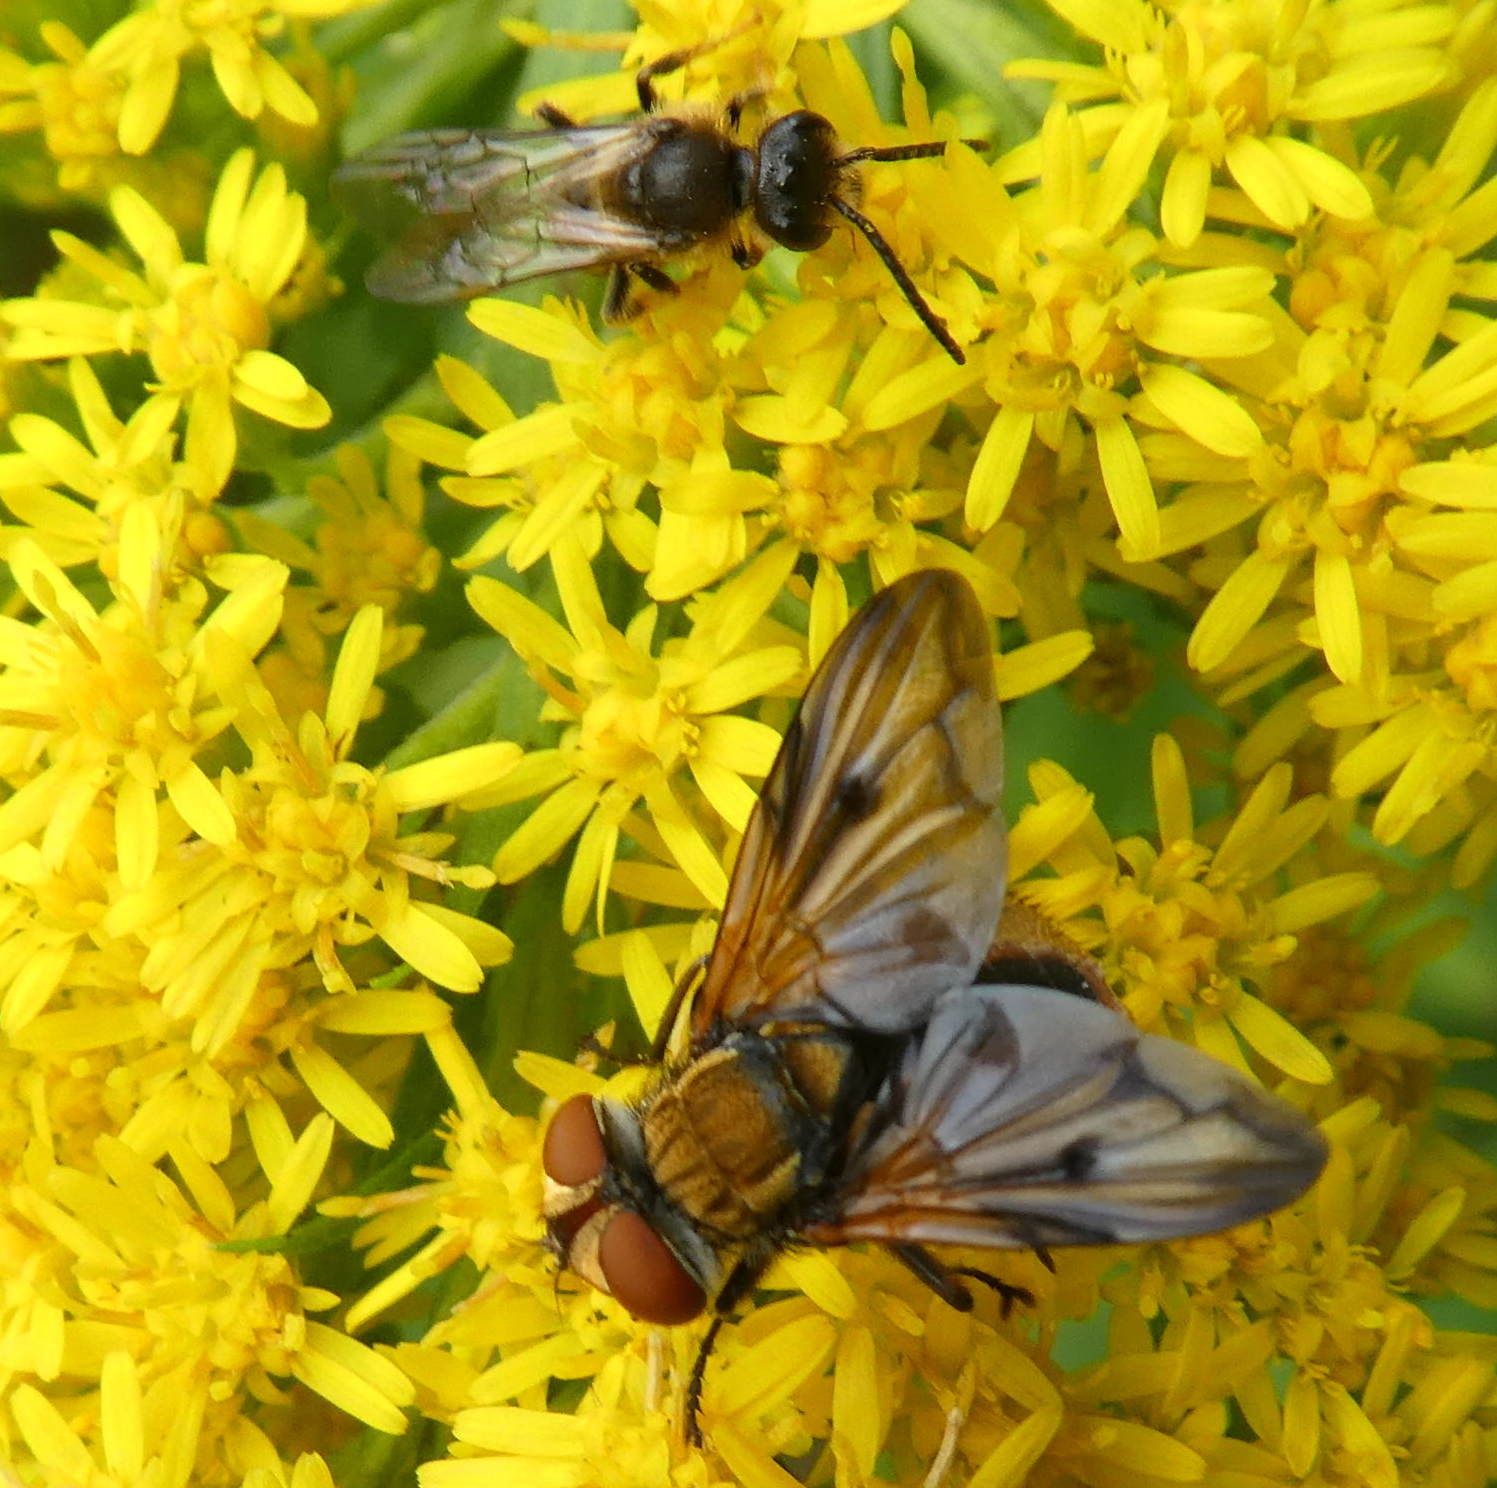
155 1269
1217 86
117 705
134 1440
205 326
1183 929
313 841
1439 1224
192 898
1323 1282
367 548
149 46
846 484
636 720
73 101
124 464
548 484
615 1440
1082 316
1353 1004
482 1204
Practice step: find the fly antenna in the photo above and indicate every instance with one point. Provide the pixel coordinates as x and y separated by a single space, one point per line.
928 317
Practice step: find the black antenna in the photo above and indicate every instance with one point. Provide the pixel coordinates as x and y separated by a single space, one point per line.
926 151
928 317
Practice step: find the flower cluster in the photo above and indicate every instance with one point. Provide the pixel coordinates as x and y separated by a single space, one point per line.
356 659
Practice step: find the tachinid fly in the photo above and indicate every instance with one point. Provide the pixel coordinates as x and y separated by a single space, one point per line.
851 1072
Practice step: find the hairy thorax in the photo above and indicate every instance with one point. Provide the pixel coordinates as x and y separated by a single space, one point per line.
741 1131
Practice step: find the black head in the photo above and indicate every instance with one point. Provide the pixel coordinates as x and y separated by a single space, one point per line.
796 180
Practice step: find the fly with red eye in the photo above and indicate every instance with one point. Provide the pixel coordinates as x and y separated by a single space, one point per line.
851 1072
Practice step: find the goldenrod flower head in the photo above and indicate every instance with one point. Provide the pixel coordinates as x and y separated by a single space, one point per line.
72 100
319 835
124 464
643 406
1082 315
483 1204
205 326
1225 419
241 1315
616 1437
148 49
367 548
119 701
115 822
540 468
1217 85
1183 928
1438 1225
1354 1006
637 720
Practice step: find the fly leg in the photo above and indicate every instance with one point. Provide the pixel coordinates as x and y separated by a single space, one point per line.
553 117
644 79
742 1279
942 1280
739 103
619 303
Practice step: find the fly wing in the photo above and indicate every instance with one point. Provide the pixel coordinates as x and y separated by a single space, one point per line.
1024 1116
470 211
872 871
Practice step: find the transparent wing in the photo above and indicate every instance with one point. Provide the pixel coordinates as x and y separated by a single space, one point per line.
470 211
873 868
1025 1116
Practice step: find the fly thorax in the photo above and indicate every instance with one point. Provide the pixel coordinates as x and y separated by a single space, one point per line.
722 1141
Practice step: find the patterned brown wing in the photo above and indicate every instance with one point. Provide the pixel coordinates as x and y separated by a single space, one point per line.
1025 1116
873 868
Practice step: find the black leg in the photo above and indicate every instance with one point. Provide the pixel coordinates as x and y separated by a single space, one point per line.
942 1280
742 1279
733 113
553 117
618 300
590 1043
644 79
667 1022
617 303
698 1376
656 278
1009 1296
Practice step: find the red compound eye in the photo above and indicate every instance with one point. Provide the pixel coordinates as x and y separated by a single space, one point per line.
574 1153
643 1273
